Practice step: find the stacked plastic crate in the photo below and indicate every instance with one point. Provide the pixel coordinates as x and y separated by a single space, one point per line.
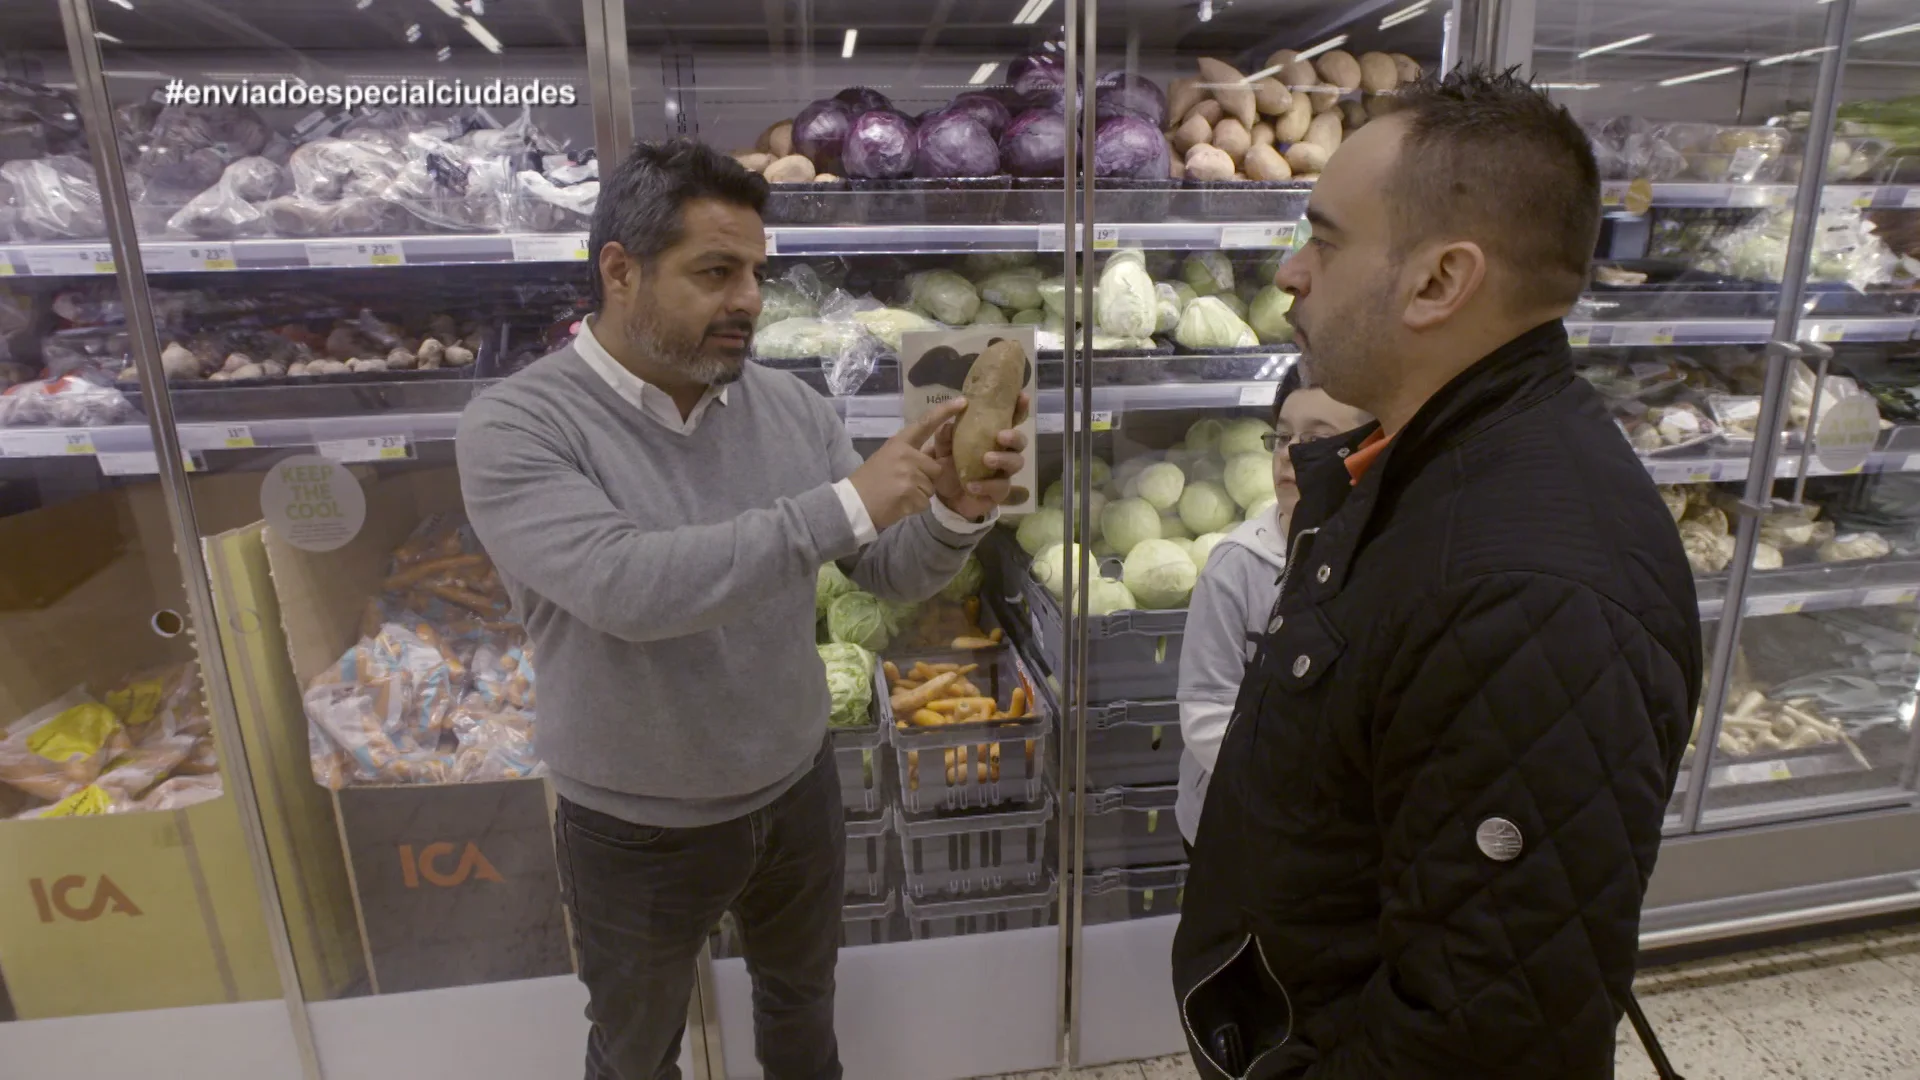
1134 860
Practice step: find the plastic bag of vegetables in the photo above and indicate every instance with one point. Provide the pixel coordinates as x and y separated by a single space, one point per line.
849 684
1125 303
1208 323
945 295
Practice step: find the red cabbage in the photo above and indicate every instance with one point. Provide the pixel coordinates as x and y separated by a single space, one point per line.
880 146
820 132
1122 94
989 110
861 99
1127 147
954 144
1037 71
1035 145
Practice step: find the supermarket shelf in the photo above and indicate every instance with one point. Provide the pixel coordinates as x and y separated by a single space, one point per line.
1889 583
1678 331
186 256
128 449
1618 194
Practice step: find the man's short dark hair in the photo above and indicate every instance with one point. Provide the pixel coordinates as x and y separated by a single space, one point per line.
1491 157
641 205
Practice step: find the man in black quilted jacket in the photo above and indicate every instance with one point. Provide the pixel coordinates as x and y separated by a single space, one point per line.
1439 800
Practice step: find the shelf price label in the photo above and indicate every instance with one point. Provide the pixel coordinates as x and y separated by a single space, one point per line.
1827 332
572 247
7 269
1613 193
140 462
354 253
189 258
1752 195
1894 597
1259 394
1643 334
1102 421
1580 336
1051 238
1106 237
1050 423
1278 235
236 437
1776 605
1757 772
1911 200
872 427
374 448
70 261
47 443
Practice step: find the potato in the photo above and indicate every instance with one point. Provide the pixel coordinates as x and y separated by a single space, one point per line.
1230 89
992 391
1282 58
1262 134
825 178
1338 67
1265 163
1177 170
753 162
1299 74
777 140
1191 134
1231 136
1182 96
1209 110
1378 105
1325 131
1407 68
1353 115
1292 127
1209 163
1271 97
1378 72
1306 157
1325 98
792 169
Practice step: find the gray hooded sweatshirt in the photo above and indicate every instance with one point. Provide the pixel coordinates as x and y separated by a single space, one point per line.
1228 613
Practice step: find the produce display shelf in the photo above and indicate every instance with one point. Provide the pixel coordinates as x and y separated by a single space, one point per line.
1617 195
1710 469
1729 771
1887 583
1595 333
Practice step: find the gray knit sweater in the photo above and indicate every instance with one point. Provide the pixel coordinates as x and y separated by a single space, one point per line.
667 580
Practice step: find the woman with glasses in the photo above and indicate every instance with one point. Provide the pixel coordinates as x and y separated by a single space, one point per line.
1236 591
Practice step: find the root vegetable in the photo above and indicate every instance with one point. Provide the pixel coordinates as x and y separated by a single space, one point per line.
360 366
825 178
927 718
992 390
1378 72
1337 66
776 141
1353 115
1265 163
1306 157
970 642
235 361
1262 134
433 353
753 161
1206 162
1209 110
913 700
1282 58
402 360
1230 89
1298 75
1325 131
1182 96
1176 168
1406 67
1194 132
1292 127
247 371
792 169
459 356
1231 136
1324 98
1272 97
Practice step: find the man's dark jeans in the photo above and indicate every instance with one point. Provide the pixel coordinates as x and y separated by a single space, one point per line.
643 900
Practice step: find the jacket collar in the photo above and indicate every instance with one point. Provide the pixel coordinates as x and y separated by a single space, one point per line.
1507 380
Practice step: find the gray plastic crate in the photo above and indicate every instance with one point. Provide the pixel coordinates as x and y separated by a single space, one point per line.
963 766
857 755
1142 893
951 854
1025 910
1131 655
862 922
869 923
868 839
1133 742
1132 826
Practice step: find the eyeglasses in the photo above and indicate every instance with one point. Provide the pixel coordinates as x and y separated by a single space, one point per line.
1274 440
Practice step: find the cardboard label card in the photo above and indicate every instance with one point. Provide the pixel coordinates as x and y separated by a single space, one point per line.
933 368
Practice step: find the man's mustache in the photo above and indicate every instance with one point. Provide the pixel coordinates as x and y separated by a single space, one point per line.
732 326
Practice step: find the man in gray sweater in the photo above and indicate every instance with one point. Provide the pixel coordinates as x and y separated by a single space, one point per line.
658 508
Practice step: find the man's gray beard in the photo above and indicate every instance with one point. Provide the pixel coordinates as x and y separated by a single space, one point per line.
701 370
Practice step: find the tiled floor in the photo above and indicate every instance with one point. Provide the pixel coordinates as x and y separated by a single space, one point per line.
1844 1009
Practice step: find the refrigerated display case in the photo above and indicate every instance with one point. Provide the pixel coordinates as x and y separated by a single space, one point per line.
297 301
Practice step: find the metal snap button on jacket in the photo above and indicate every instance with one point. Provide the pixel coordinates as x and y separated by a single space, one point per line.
1274 626
1499 839
1321 575
1301 665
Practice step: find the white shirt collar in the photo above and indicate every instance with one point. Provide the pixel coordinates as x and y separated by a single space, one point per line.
638 392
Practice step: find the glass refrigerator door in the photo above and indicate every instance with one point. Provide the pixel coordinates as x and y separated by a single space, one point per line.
126 885
917 155
1209 127
1697 181
1820 701
351 218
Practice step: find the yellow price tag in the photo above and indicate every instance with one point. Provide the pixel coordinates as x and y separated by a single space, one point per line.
1580 338
7 270
222 264
1102 421
1792 607
385 260
1663 335
89 801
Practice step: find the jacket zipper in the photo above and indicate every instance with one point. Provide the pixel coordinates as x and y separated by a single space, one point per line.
1186 1021
1293 559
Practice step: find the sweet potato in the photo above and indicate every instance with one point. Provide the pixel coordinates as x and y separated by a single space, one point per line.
1272 97
1194 132
992 390
1182 96
1230 89
1265 163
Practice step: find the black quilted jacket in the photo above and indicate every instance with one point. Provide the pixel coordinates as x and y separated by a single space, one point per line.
1439 801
